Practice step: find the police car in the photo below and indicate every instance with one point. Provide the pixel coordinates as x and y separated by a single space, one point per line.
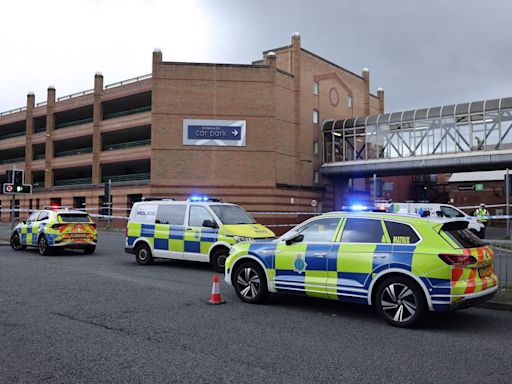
55 228
403 265
200 229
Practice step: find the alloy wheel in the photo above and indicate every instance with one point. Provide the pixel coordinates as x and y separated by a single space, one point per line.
398 302
248 282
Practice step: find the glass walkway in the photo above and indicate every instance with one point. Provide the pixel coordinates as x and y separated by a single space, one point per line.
464 129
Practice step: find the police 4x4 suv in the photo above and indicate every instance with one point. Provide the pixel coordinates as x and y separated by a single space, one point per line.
49 229
403 265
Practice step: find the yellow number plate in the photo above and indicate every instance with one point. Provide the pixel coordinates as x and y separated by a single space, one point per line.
484 272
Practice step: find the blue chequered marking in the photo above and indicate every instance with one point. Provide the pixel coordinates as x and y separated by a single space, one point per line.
380 264
332 258
353 279
23 238
161 244
441 307
177 232
147 230
34 239
402 256
316 263
131 239
192 246
50 238
265 251
209 235
438 287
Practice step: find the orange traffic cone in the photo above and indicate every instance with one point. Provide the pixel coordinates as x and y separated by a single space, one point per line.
215 296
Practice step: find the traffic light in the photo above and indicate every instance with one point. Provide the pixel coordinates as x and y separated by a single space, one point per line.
25 188
18 179
15 183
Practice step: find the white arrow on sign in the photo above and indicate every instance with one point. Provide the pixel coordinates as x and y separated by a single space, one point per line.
235 132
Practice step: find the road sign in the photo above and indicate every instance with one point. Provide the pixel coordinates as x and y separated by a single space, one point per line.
314 203
8 188
214 132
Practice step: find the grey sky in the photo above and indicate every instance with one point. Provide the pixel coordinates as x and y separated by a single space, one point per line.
423 53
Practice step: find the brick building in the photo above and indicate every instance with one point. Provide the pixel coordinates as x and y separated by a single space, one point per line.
132 133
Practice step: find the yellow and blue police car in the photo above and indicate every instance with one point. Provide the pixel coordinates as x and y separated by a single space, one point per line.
402 264
55 228
199 229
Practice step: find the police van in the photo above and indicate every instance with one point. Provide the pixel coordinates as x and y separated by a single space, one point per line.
438 210
199 229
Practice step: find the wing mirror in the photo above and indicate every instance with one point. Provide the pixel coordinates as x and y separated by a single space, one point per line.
292 237
209 224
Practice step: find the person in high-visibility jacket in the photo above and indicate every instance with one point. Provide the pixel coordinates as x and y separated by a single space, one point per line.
482 214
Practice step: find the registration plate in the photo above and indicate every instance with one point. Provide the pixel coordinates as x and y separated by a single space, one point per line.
484 272
77 235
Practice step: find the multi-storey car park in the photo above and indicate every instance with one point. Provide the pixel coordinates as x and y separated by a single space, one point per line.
132 133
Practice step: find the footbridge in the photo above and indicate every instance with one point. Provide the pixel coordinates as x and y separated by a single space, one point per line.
452 138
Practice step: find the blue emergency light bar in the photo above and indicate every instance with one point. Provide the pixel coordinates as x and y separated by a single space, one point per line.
203 198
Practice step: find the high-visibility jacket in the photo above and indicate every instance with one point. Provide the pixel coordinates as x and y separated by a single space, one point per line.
482 214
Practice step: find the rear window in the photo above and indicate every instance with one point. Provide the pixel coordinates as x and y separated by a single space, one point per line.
400 233
464 238
74 218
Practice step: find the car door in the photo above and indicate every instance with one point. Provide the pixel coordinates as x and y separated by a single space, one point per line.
198 236
168 240
26 237
302 267
364 249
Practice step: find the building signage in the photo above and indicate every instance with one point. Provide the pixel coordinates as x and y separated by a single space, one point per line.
479 187
466 187
214 132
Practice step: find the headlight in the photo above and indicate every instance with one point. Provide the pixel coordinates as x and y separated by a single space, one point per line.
239 239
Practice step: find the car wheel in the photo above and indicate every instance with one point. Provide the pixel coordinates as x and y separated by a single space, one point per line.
89 250
42 246
401 302
143 254
218 259
16 242
250 283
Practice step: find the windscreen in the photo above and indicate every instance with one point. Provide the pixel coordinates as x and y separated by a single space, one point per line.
74 217
232 214
464 238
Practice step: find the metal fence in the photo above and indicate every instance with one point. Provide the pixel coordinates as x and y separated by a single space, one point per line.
502 263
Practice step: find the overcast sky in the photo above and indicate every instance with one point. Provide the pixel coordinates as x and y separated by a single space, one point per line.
423 53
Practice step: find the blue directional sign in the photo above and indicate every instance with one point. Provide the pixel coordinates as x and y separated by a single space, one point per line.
214 132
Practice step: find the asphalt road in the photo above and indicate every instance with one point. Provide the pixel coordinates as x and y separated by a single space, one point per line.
102 318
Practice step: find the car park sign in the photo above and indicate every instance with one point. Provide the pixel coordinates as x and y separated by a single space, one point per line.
214 132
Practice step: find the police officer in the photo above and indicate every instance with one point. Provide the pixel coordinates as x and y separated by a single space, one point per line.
482 214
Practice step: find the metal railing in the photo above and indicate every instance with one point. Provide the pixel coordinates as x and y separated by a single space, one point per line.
11 111
14 134
41 103
128 144
127 112
76 94
74 122
121 178
13 160
85 180
128 81
73 152
502 263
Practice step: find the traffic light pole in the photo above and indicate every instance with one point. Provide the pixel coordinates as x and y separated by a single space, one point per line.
13 207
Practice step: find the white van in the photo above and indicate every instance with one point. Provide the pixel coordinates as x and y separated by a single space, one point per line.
438 210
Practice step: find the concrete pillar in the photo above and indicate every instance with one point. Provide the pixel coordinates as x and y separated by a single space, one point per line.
157 60
28 137
366 90
96 128
380 95
50 127
301 153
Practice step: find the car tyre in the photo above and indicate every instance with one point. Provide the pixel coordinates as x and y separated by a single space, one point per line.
42 246
401 302
250 283
218 259
89 249
143 254
16 242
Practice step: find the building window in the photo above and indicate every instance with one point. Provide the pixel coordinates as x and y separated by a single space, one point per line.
349 102
315 88
316 177
315 117
315 147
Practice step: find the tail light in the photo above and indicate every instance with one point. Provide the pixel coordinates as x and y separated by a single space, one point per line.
92 225
457 259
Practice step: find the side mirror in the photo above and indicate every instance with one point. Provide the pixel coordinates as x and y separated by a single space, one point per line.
292 237
209 224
